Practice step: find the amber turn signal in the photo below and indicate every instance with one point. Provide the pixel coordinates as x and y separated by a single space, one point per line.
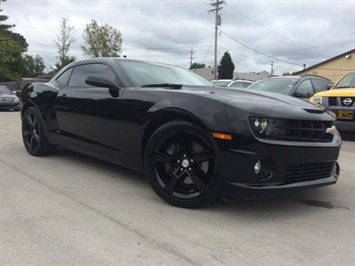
221 136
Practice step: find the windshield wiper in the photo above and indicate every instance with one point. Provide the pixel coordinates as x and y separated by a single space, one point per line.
163 85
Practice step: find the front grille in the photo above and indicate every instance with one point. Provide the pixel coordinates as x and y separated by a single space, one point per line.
308 172
332 101
302 130
341 101
6 100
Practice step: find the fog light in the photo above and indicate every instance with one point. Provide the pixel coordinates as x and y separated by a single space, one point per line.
257 167
263 169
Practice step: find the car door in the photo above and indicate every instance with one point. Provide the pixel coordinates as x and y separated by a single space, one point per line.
87 115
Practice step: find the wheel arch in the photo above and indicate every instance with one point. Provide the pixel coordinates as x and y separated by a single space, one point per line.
165 117
28 105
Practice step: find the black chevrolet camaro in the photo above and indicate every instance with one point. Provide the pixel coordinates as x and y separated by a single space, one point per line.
195 142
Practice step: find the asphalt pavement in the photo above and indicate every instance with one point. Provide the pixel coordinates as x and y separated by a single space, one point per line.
71 209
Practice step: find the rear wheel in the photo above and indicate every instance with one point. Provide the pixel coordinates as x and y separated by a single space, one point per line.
180 163
34 138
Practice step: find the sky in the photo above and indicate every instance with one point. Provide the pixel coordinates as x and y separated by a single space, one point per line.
257 33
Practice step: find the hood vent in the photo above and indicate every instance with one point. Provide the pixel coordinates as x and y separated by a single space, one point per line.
314 111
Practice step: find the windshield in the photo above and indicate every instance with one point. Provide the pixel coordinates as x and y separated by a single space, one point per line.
145 73
278 85
4 89
347 82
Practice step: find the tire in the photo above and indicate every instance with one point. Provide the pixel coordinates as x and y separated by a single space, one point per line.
34 138
181 165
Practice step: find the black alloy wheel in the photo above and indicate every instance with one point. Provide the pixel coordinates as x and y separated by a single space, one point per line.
181 165
34 139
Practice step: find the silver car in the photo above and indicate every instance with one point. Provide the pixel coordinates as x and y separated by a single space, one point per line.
8 100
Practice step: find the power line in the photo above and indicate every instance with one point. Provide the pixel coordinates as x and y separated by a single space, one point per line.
281 60
262 26
208 50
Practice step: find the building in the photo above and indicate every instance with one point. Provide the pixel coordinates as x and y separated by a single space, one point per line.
333 68
208 73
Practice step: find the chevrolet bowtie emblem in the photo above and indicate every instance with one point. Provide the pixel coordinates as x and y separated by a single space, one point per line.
331 130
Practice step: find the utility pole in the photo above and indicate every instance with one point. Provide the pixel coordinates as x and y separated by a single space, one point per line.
1 2
272 68
218 22
191 55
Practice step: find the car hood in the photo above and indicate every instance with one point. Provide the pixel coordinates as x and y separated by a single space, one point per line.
265 103
255 98
8 95
346 92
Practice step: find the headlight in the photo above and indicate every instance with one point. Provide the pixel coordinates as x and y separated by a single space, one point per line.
263 126
317 100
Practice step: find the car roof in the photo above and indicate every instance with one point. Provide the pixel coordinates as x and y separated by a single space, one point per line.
298 77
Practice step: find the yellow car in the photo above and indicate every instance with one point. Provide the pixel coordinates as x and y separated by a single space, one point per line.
340 99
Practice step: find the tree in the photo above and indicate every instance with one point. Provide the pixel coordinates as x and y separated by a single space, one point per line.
197 65
226 67
101 41
12 45
64 40
33 66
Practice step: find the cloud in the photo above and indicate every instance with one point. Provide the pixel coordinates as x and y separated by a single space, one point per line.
294 31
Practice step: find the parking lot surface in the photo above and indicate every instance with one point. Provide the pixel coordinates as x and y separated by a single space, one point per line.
71 209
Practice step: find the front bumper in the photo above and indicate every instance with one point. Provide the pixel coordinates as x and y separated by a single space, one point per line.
345 126
10 105
288 167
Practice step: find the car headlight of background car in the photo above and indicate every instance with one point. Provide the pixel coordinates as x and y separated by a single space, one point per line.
316 100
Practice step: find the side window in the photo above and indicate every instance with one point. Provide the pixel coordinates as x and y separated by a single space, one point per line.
305 88
64 78
80 73
320 84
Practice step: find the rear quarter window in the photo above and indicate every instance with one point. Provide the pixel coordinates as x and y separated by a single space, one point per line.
64 78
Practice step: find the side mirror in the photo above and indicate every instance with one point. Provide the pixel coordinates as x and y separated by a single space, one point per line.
103 82
302 95
330 85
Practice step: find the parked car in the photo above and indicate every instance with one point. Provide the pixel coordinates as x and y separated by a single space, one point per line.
340 99
8 100
298 86
193 141
240 84
221 82
232 83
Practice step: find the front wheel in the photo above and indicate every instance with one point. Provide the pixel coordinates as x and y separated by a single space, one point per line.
34 138
181 165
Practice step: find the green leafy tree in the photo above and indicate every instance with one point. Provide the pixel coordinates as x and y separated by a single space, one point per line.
12 45
226 67
197 65
64 40
101 41
33 66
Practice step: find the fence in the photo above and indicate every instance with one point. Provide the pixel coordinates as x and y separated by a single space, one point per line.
19 84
